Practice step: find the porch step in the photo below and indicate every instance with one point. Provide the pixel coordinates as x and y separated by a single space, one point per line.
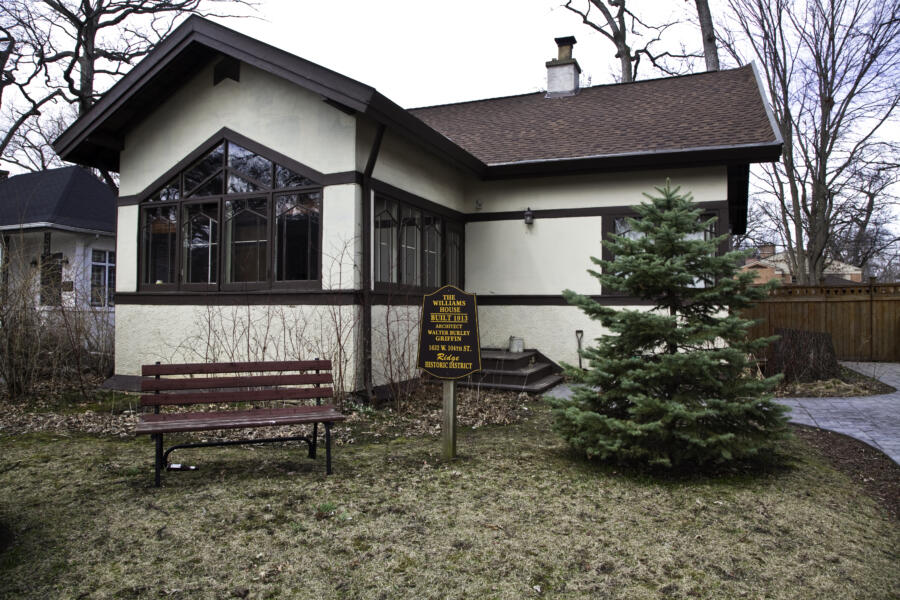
528 371
537 387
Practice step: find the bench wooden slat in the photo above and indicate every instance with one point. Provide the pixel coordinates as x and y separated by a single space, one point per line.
232 367
207 383
236 396
235 419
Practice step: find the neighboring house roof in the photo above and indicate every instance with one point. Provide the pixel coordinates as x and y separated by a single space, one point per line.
69 199
832 274
781 262
710 118
707 111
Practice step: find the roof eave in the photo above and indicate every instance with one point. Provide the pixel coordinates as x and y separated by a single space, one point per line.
689 157
85 142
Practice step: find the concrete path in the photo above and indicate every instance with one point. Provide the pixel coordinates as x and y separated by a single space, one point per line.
874 420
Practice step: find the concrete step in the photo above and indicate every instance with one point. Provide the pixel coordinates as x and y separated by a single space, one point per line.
520 376
503 360
535 387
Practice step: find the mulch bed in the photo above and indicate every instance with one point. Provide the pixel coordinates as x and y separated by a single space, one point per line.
878 475
850 384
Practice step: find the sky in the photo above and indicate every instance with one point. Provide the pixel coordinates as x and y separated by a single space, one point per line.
426 52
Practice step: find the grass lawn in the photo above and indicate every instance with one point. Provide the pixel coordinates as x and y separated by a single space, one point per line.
516 516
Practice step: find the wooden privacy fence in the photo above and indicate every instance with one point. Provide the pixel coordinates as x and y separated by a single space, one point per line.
863 320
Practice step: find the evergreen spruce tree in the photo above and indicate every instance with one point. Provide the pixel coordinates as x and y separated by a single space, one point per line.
671 386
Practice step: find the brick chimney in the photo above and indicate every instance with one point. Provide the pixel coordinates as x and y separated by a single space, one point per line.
766 251
563 71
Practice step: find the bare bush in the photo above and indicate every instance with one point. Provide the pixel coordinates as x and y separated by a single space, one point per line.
62 343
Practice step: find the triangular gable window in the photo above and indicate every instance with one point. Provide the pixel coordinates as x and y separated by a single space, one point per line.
246 191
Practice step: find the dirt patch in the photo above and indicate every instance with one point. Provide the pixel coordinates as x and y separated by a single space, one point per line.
874 471
850 384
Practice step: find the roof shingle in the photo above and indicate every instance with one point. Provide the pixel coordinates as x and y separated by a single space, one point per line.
69 197
706 110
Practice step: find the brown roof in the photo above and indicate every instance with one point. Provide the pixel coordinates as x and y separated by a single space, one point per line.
722 109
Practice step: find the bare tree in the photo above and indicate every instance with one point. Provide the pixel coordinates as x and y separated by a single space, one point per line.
71 51
862 228
832 68
617 23
708 33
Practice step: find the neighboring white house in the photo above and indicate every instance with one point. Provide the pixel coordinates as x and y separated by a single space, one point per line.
260 190
58 232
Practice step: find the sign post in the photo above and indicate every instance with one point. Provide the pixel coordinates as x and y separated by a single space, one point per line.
449 348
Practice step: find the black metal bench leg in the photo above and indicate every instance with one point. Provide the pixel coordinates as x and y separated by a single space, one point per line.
314 439
159 457
327 448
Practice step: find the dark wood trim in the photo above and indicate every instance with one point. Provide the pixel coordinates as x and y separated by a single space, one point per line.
227 68
414 298
555 300
342 178
263 297
416 201
689 157
567 213
241 140
367 208
738 197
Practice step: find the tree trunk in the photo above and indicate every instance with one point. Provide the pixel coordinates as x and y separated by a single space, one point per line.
710 51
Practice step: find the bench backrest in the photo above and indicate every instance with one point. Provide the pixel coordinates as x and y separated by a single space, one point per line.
214 383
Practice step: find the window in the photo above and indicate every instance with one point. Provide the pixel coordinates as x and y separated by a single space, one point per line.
200 224
103 277
233 219
297 228
51 279
619 225
246 240
414 247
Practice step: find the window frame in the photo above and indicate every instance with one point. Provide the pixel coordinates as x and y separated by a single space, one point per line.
176 177
424 212
109 297
608 228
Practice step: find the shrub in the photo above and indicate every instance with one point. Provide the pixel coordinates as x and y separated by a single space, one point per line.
671 386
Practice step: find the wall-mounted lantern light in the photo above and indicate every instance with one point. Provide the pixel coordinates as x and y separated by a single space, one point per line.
529 216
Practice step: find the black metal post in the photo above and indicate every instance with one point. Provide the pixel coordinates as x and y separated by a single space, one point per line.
159 457
159 441
327 447
315 431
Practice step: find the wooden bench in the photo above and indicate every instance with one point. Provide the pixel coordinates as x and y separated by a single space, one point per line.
245 383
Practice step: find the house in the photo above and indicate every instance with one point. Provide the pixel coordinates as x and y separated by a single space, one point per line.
285 208
58 231
769 265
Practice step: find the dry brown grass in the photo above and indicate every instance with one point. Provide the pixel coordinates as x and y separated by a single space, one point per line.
515 517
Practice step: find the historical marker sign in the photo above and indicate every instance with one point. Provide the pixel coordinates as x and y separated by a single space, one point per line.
449 347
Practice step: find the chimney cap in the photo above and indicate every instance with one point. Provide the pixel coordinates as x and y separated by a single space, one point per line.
568 40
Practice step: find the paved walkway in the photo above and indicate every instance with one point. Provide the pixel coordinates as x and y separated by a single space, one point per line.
874 420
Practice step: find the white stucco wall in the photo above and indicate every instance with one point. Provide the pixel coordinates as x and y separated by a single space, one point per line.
127 246
601 190
341 237
550 329
395 343
415 170
509 257
27 247
146 334
262 107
